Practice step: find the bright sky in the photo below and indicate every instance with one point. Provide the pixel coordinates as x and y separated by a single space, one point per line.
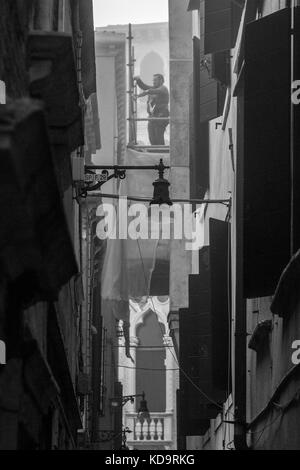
108 12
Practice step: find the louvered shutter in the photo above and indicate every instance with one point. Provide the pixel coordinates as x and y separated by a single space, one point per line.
267 176
217 25
194 416
208 86
199 137
117 416
201 397
219 237
180 421
222 21
296 136
211 93
237 7
194 5
88 65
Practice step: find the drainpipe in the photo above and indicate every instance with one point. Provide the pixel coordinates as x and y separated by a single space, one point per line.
240 363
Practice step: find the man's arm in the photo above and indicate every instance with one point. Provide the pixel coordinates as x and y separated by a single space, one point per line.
157 91
160 91
141 84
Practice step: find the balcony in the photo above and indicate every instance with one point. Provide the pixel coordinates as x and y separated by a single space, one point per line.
155 433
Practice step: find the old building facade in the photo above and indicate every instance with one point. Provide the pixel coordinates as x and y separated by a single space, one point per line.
214 342
243 287
150 44
152 370
47 72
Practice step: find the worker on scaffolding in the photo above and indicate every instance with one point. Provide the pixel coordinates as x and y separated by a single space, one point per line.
157 107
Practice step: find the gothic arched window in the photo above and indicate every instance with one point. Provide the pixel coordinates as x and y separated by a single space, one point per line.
150 363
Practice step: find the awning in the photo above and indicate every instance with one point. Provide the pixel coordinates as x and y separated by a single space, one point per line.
33 227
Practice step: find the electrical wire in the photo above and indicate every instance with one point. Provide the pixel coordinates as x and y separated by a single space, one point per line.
267 426
282 408
261 431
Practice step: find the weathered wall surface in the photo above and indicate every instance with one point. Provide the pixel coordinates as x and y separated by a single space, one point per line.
180 26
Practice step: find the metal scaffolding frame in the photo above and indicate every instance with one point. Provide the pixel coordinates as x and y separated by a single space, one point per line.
133 118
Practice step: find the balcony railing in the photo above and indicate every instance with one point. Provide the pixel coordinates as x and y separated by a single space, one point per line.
159 428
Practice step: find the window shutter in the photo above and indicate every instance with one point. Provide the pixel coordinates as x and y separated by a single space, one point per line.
160 278
199 137
199 172
196 352
194 5
196 79
117 416
219 237
221 67
180 421
267 153
237 7
194 415
296 222
88 65
151 377
222 20
217 26
211 93
208 90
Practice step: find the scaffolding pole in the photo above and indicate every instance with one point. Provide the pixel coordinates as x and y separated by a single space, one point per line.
133 118
132 134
